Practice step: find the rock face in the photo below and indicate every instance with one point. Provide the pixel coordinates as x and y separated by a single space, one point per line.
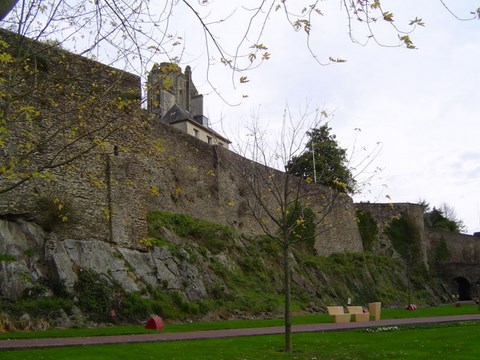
30 257
22 246
194 275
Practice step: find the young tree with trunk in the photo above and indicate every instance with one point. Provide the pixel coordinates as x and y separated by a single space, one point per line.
289 209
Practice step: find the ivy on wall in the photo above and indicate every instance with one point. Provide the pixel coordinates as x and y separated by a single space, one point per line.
441 253
406 240
368 228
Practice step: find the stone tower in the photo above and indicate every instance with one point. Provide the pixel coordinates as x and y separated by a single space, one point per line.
168 86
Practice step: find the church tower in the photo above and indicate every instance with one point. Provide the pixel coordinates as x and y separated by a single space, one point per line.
168 86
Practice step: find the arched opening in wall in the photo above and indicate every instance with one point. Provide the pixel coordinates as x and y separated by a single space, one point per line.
464 288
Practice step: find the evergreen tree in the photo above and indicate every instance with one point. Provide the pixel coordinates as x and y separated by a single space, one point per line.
443 218
323 161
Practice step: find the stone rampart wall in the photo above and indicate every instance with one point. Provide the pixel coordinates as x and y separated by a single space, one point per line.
66 109
462 248
175 172
383 214
142 165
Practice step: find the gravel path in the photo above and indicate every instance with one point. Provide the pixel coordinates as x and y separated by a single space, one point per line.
216 334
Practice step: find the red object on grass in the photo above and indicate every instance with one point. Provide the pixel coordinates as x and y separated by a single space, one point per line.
155 323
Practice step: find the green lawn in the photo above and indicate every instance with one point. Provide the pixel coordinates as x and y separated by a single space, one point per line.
456 341
235 324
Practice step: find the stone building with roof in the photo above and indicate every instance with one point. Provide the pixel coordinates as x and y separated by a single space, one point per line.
174 99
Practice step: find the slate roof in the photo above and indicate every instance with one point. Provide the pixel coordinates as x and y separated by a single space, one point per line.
176 114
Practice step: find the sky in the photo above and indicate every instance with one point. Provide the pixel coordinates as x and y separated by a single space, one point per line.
420 106
416 108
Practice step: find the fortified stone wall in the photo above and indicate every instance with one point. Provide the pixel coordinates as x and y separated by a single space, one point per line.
337 230
137 165
62 111
185 175
383 214
96 159
462 249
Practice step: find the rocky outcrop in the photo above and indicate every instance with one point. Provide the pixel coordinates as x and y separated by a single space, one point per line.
221 276
30 256
22 246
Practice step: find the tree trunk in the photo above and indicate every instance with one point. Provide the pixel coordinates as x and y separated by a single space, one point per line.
5 7
287 290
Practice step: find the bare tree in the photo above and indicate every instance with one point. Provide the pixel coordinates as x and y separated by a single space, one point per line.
288 209
134 32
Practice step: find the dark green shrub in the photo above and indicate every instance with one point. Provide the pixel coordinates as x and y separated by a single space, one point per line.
442 220
7 257
135 307
95 295
42 307
405 236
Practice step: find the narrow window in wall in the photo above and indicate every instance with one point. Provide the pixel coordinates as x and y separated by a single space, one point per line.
196 133
209 140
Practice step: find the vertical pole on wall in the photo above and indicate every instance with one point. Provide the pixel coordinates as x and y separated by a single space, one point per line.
314 165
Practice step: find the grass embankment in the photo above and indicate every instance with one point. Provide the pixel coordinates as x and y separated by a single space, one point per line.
236 324
237 276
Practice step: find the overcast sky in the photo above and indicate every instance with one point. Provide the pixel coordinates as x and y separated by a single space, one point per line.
421 105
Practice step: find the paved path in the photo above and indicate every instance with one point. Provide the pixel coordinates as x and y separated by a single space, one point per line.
211 334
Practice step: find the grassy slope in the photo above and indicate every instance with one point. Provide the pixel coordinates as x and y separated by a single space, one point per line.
242 276
252 282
